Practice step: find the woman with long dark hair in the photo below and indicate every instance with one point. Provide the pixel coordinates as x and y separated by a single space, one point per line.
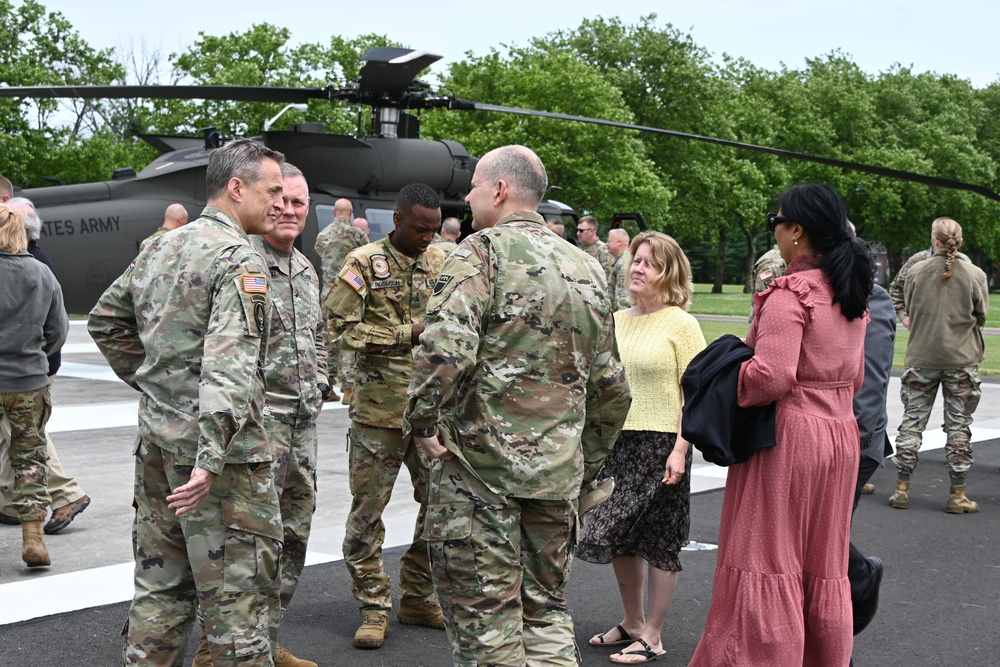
781 594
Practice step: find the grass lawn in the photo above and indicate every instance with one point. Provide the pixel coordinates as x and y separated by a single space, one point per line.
730 303
733 301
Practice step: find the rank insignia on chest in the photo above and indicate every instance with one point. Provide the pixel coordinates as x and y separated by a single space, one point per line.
353 279
380 266
254 284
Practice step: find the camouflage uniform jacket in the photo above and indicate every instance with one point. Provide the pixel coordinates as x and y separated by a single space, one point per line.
187 325
769 267
599 251
152 237
380 295
618 282
333 245
447 245
898 284
518 362
296 351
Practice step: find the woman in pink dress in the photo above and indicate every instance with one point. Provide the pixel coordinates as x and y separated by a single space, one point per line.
781 594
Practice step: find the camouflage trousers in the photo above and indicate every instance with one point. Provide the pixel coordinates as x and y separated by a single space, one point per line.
376 455
62 488
960 387
348 367
221 558
295 482
27 412
500 569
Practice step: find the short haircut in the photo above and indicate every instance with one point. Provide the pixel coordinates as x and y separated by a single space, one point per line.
241 159
587 219
13 235
521 169
618 231
6 187
417 194
31 220
342 206
451 226
672 283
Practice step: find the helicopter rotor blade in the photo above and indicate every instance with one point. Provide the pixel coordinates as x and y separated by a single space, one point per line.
221 93
843 164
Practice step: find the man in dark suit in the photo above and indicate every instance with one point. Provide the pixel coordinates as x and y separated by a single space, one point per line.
865 574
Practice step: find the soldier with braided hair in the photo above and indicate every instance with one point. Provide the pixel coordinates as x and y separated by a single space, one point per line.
945 348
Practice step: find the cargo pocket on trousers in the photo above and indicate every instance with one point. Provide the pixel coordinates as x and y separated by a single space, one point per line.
448 533
253 545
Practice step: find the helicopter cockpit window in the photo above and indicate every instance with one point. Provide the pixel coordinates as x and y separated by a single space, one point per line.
379 222
324 216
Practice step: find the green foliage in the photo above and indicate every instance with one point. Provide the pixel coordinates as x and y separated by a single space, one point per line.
597 169
711 198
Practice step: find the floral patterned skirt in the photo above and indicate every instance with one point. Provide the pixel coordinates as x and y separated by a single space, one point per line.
644 517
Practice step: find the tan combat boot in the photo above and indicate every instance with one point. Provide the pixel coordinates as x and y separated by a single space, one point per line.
33 551
868 489
421 611
958 503
283 658
372 632
348 394
901 498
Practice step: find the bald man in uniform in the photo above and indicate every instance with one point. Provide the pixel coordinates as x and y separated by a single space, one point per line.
175 216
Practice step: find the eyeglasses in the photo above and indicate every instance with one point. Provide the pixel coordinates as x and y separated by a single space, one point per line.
775 219
584 229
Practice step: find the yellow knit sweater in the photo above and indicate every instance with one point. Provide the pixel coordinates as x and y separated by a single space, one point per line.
655 349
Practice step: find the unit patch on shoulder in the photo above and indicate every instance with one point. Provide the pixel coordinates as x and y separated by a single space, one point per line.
353 279
441 283
766 275
380 266
254 284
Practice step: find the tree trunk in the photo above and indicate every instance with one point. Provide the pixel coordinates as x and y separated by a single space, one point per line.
748 262
720 263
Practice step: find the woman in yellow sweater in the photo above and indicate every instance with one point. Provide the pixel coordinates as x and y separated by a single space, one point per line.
640 530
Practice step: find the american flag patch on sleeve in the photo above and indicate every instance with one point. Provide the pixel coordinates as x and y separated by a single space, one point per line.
353 279
254 284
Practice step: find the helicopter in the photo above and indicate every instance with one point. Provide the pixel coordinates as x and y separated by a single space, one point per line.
92 231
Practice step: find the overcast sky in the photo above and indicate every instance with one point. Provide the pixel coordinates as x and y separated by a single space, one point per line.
956 38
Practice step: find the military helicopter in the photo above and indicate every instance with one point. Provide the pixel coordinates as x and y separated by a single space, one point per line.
92 231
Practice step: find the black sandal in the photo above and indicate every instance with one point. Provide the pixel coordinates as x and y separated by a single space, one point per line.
626 638
646 652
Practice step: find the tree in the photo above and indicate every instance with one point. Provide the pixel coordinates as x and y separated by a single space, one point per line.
599 170
36 48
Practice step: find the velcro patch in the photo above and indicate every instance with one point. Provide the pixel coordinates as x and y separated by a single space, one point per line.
380 266
382 284
765 275
354 279
442 282
254 284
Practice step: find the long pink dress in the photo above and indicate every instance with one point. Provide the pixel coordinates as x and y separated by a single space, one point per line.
781 595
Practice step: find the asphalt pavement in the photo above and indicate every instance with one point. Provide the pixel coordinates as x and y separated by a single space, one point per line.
940 602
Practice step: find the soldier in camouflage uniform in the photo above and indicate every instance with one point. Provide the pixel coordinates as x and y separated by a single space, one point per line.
175 216
451 230
333 244
187 325
618 278
378 306
295 383
518 390
945 300
33 325
898 283
769 267
586 234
